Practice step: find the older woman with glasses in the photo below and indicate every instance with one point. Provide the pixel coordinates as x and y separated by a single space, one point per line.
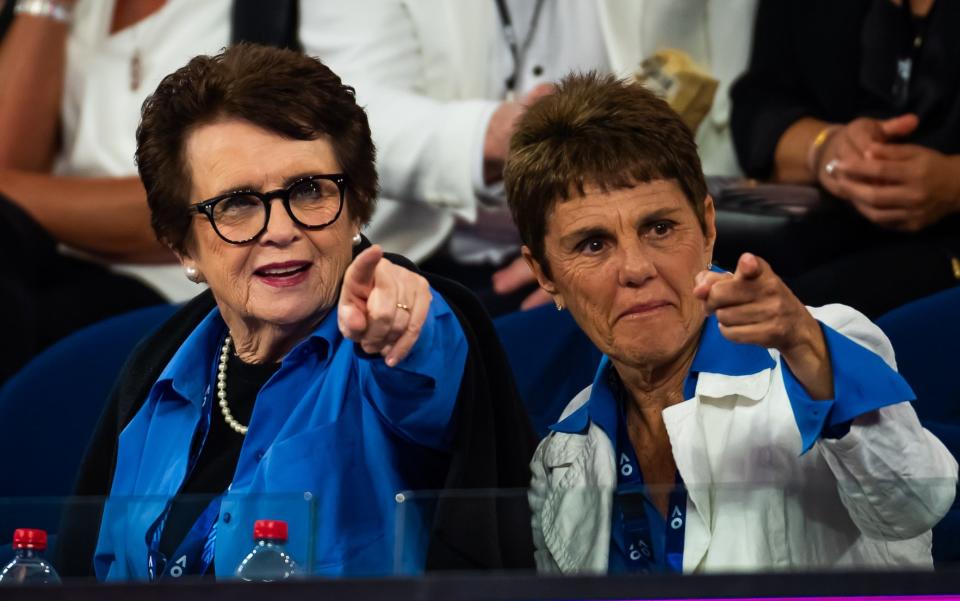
325 378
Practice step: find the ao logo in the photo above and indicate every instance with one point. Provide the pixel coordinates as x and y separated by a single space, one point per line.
177 570
676 519
639 550
626 468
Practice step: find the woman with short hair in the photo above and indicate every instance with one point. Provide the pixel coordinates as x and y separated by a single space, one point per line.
325 379
728 426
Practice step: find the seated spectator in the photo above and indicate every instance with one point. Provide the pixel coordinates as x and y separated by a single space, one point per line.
728 426
72 210
445 82
861 98
323 367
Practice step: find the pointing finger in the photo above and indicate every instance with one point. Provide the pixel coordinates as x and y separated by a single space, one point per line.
749 267
358 281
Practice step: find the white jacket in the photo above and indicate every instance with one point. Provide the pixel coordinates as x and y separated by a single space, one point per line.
868 498
421 69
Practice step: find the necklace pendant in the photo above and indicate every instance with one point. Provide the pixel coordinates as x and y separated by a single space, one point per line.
135 71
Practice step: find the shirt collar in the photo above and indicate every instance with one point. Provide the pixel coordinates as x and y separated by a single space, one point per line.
715 355
190 370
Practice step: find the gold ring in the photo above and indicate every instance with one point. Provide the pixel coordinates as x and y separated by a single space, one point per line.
403 307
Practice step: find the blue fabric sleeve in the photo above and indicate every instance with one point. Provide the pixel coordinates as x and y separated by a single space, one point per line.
417 397
862 382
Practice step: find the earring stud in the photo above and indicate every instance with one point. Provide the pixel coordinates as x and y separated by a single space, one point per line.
357 239
193 274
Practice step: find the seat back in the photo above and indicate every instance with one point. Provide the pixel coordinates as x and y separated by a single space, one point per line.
49 410
926 338
552 360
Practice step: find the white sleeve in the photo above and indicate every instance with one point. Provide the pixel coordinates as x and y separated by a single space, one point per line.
536 496
426 147
896 479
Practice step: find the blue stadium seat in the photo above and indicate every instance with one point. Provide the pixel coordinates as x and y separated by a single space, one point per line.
48 412
552 360
926 337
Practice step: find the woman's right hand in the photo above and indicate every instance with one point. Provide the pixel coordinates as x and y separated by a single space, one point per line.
382 306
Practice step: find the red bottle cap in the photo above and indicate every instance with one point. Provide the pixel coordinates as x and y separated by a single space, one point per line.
30 538
270 530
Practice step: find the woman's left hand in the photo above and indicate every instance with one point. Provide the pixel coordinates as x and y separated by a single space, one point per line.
901 186
754 306
382 305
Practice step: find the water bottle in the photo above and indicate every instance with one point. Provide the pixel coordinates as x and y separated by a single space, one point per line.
269 561
28 566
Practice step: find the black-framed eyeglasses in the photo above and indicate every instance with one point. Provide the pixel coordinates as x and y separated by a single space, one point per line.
312 202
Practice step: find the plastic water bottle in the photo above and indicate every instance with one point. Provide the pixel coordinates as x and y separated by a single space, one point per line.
28 566
269 561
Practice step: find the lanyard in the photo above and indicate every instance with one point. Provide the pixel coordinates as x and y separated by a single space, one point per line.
510 35
194 555
632 527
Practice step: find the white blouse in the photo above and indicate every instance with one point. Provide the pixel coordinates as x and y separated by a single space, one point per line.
100 109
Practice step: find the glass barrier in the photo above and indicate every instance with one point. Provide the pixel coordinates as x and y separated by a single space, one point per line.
577 531
740 528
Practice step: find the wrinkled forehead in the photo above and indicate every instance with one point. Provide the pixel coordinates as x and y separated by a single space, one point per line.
230 155
600 203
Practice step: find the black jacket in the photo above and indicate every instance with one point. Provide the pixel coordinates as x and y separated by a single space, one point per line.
836 61
492 446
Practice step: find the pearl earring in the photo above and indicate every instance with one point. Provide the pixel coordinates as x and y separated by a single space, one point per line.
193 274
357 239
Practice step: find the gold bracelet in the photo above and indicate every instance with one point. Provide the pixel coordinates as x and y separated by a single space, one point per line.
48 9
816 147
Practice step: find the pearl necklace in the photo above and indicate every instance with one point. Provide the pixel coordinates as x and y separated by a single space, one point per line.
222 389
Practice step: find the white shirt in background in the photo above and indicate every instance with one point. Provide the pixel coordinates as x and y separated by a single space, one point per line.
100 111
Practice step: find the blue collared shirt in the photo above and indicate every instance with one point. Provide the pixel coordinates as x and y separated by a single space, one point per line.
862 382
334 435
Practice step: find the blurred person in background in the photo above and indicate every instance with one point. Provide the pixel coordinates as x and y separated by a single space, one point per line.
862 99
728 427
444 84
323 367
73 213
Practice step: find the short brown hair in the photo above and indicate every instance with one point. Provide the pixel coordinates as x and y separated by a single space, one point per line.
282 91
595 130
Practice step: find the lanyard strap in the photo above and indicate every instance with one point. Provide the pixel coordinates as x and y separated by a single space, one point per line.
632 531
192 557
510 35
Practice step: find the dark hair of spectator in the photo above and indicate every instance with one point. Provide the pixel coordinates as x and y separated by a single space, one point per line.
282 91
595 130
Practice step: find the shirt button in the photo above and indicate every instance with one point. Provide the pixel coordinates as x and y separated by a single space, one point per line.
226 518
260 454
537 70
